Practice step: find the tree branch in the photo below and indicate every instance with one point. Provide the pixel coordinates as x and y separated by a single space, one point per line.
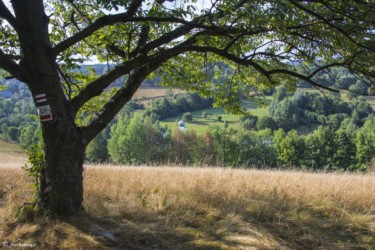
7 15
257 67
143 36
89 30
107 21
112 107
327 22
96 87
123 95
9 65
133 7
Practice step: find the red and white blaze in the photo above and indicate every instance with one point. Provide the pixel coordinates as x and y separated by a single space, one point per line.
40 98
45 113
43 108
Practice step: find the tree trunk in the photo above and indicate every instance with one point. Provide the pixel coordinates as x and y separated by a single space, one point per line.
62 181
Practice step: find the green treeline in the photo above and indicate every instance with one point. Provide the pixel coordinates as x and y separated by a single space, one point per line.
138 140
18 120
340 136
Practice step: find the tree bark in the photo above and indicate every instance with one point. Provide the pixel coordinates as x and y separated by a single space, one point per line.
62 181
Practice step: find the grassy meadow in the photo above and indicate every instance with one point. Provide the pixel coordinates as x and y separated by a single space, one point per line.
130 207
201 124
146 94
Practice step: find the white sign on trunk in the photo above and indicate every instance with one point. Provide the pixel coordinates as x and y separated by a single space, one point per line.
45 113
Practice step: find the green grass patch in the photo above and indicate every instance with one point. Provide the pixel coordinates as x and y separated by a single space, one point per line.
201 125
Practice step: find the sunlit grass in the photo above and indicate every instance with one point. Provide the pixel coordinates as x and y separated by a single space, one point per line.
201 124
203 208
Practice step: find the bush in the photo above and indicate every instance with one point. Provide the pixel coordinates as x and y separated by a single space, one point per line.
266 122
204 114
187 117
249 121
219 118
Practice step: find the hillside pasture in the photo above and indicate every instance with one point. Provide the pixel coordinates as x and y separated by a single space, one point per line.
201 125
147 93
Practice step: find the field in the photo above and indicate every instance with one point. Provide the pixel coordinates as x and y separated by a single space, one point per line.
145 94
200 124
169 207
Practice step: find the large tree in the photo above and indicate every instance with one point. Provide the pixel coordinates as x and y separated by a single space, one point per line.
262 42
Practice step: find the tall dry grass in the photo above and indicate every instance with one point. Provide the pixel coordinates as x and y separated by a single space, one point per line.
210 208
12 160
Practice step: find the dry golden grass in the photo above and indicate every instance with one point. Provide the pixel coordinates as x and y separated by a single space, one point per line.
12 160
209 208
153 92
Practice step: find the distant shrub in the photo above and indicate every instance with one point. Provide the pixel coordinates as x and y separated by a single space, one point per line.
220 118
204 114
187 117
266 122
249 121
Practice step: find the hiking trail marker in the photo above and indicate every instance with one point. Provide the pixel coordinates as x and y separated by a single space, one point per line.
43 108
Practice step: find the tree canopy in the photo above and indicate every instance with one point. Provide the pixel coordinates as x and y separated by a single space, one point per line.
262 41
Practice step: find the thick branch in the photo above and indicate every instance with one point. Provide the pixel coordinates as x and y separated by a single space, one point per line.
9 65
133 7
124 94
89 30
96 87
166 38
7 15
112 107
117 51
107 21
143 36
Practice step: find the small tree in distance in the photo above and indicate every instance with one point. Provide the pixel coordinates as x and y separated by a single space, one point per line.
44 42
187 117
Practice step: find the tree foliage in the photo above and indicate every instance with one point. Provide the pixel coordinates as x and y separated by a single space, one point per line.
304 108
172 35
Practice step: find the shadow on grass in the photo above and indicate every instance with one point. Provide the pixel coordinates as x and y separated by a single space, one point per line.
271 221
145 233
202 123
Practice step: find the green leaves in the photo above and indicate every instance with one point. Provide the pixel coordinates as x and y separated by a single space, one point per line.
261 43
34 166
